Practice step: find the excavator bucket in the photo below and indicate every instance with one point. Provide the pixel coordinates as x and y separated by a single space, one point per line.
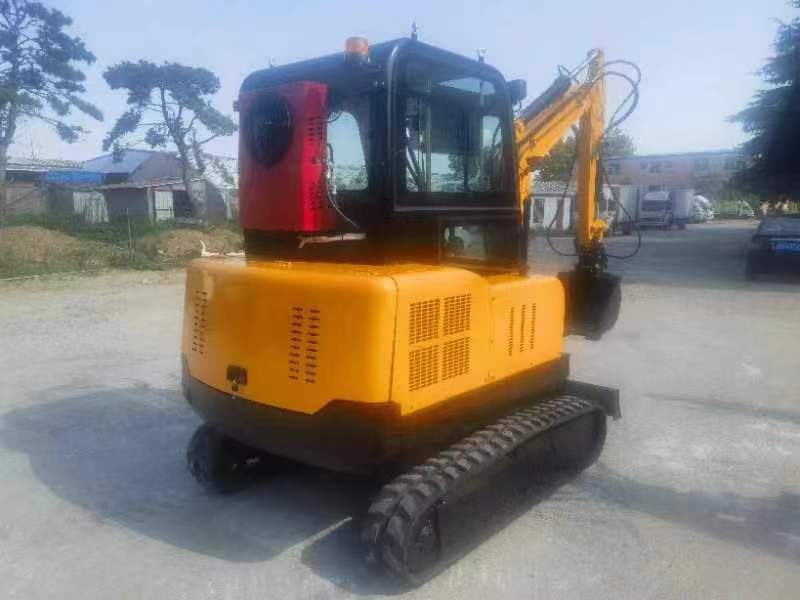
592 302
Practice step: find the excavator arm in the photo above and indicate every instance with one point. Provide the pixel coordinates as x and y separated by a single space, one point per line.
547 119
592 295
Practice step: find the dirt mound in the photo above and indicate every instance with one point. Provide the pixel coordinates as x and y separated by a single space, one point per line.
30 249
181 245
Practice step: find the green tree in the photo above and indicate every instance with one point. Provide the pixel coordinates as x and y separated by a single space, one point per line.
617 144
170 104
40 76
558 164
773 120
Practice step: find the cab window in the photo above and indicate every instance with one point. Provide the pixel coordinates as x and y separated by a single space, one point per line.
452 132
472 241
348 142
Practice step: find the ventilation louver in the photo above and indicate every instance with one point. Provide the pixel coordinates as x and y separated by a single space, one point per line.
305 328
199 322
437 321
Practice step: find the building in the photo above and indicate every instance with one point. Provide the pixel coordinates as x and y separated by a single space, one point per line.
24 194
706 172
148 184
142 184
223 173
74 192
554 203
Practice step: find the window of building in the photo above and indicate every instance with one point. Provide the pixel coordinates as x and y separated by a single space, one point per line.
538 210
734 164
643 165
701 164
181 205
613 168
667 164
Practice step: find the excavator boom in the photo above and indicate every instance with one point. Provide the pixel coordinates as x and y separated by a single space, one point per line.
548 119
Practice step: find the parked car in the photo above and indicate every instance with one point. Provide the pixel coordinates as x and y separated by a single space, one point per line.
775 246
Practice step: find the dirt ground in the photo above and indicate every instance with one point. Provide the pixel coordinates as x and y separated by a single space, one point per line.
34 250
178 246
697 494
29 249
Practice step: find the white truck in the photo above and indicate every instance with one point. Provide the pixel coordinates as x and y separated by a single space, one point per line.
625 208
665 209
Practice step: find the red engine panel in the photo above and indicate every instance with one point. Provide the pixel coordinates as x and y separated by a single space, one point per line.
290 194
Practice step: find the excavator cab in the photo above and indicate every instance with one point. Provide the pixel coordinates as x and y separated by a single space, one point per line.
410 155
383 321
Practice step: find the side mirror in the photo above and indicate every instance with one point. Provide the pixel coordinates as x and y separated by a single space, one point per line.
517 90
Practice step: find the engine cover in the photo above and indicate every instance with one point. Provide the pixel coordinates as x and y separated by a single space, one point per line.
282 148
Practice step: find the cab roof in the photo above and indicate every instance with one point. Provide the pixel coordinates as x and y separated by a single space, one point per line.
328 69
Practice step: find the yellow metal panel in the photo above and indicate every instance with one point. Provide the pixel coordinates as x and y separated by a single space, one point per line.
528 321
410 334
436 359
442 337
307 334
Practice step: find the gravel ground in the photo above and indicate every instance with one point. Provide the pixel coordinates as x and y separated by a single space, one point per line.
697 494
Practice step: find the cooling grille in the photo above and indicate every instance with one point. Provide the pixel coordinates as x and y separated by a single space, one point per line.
199 322
423 321
525 328
510 348
316 129
423 367
305 328
455 358
457 314
315 200
436 321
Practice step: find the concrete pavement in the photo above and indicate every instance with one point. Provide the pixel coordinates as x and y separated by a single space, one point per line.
697 494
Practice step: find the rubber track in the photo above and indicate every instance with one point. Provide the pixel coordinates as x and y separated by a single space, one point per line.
388 524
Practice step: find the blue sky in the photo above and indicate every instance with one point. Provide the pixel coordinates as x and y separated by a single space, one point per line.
699 57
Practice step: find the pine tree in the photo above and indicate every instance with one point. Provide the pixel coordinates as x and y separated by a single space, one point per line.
39 80
773 120
175 100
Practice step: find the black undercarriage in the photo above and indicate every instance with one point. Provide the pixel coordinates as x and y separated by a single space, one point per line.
358 438
442 467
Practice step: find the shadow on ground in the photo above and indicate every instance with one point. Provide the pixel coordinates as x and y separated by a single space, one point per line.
119 454
770 525
739 408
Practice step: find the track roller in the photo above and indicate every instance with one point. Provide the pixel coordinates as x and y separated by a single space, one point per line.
222 465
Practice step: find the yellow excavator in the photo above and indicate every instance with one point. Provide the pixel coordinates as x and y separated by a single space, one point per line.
383 320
